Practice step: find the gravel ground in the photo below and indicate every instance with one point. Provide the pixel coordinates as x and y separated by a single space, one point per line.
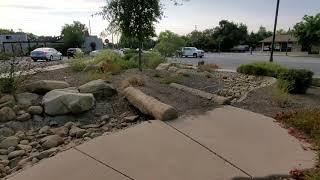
262 101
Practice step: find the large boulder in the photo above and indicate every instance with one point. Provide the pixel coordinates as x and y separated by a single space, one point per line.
60 102
44 86
7 114
27 99
99 88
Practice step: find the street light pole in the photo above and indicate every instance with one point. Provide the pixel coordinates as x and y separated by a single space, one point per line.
274 31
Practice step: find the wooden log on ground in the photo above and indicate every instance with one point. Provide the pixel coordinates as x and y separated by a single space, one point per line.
215 98
149 105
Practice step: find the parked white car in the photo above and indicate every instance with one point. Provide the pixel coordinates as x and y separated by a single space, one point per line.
47 54
191 52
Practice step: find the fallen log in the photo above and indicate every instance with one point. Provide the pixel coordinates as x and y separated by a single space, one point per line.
213 97
149 105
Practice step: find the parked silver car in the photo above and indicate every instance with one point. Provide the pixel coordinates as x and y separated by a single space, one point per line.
47 54
190 52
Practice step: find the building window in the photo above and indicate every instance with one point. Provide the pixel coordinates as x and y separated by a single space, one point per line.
8 37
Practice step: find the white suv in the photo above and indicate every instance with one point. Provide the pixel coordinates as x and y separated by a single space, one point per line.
190 52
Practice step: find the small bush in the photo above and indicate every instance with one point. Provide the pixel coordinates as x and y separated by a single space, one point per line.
298 80
262 69
171 79
149 60
133 81
128 56
111 68
208 67
77 64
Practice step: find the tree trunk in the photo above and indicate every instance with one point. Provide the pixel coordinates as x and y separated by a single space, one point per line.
140 55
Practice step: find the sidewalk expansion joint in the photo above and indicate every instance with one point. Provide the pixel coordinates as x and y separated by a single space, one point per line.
207 148
104 164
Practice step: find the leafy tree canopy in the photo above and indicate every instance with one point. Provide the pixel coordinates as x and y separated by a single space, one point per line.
74 34
169 43
6 31
308 31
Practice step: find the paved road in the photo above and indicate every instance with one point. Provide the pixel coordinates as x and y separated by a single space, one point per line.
233 60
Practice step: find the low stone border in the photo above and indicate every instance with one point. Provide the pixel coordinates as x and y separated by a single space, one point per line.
217 99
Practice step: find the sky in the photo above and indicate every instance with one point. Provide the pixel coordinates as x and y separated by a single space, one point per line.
46 17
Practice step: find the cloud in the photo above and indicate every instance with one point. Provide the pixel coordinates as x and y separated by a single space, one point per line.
29 7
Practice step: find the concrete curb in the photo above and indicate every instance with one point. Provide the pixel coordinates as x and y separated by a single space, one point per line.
217 99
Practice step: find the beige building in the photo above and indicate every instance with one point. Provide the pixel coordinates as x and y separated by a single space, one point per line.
283 43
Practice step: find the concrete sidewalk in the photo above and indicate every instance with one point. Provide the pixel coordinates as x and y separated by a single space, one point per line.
225 143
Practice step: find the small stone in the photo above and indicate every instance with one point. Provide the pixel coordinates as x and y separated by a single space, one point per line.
23 162
105 128
47 153
3 157
131 118
51 141
87 138
21 112
24 117
27 148
9 141
5 162
7 101
34 160
94 135
105 118
61 131
35 110
7 114
44 130
4 152
14 162
34 144
24 142
90 126
15 154
11 149
21 135
76 132
69 125
5 131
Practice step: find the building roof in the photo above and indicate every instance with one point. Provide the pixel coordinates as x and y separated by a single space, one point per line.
281 38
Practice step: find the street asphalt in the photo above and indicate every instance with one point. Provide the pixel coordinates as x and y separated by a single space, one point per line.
233 60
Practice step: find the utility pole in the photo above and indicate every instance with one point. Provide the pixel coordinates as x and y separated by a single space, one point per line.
89 27
274 31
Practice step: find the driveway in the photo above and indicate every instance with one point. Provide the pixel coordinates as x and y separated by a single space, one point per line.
233 60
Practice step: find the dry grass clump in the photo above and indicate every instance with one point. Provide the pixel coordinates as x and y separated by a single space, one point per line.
136 80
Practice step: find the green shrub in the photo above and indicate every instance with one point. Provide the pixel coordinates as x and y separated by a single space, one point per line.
129 56
149 60
262 69
298 80
280 94
77 64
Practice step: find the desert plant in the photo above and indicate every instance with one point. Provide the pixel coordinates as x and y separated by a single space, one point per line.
262 69
77 64
208 67
298 80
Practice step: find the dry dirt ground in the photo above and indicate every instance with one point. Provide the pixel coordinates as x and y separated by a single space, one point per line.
262 101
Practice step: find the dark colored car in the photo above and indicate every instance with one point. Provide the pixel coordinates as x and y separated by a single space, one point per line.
71 52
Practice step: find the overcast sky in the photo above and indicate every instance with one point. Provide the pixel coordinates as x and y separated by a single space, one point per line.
46 17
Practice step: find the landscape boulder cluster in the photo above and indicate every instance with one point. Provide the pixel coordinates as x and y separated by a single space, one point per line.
38 124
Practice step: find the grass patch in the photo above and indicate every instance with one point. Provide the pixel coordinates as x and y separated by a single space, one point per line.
77 64
262 69
171 79
280 94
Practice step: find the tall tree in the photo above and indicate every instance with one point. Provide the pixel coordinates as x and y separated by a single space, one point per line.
169 43
228 34
6 31
133 18
308 32
74 34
